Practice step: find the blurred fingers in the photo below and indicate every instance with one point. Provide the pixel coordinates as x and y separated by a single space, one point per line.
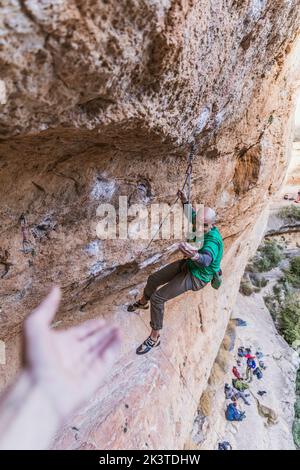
88 328
42 316
105 351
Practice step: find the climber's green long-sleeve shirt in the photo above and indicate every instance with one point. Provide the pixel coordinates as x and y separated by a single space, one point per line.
212 244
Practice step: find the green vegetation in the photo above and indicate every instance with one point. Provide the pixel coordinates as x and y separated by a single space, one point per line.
290 319
290 213
268 256
277 289
258 281
271 305
284 306
296 424
292 274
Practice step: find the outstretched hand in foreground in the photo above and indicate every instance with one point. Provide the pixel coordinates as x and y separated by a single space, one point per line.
62 369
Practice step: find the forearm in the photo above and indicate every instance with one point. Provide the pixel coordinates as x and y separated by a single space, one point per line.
202 259
27 418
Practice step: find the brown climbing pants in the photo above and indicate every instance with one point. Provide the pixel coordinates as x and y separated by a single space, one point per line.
177 279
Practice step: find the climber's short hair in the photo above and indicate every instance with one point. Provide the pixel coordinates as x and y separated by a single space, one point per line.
209 215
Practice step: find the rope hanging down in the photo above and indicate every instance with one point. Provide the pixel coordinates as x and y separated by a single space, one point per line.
189 170
187 182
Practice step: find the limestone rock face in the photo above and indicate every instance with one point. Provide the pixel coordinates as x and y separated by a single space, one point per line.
99 100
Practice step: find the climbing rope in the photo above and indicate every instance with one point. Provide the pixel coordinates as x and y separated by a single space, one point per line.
187 182
189 171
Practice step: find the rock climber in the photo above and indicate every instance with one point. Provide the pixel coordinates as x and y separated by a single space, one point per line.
193 272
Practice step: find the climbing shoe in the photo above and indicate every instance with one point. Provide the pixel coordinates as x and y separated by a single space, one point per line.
137 305
147 345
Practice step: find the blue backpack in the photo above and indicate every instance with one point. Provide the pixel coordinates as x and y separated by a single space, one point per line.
258 373
251 363
233 414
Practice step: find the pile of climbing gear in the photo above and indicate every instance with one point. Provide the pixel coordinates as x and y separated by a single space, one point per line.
248 365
